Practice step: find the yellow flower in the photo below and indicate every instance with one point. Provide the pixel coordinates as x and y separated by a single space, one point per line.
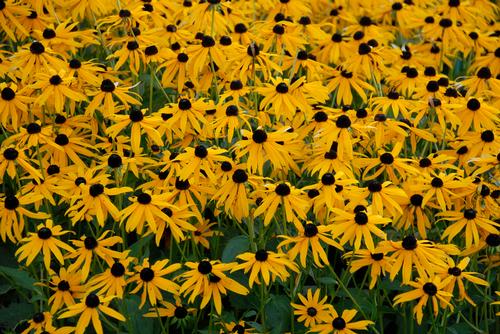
312 310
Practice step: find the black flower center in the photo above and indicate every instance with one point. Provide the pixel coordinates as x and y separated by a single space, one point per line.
397 6
374 187
107 86
92 300
487 136
282 189
180 312
261 255
33 128
409 242
364 49
240 28
259 136
114 160
184 104
182 184
393 95
151 50
53 169
11 202
48 33
207 41
147 274
416 200
470 214
10 154
124 13
62 139
279 29
361 218
312 193
338 323
343 122
205 267
44 233
328 179
38 318
425 162
432 86
37 48
311 311
462 150
75 64
236 85
493 240
473 104
437 182
232 110
117 269
200 151
239 176
96 190
430 288
90 243
63 285
386 158
310 230
226 166
445 23
484 73
132 45
377 256
253 50
455 271
365 21
182 57
282 88
8 94
144 198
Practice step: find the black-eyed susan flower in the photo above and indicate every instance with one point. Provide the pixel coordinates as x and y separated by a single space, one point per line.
88 247
458 275
208 280
14 103
310 237
424 255
470 220
44 241
312 310
178 311
103 98
358 226
341 324
426 288
150 279
40 322
378 262
145 208
66 286
91 308
265 266
13 213
113 281
285 196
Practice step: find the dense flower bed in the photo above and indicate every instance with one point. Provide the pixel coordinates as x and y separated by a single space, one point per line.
263 166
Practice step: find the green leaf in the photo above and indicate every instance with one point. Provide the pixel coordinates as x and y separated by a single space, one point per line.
19 277
235 246
14 313
327 280
278 314
135 249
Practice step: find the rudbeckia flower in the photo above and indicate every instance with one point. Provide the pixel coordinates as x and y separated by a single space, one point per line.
262 146
177 311
268 264
423 254
199 158
145 208
341 324
378 262
66 286
35 59
207 279
89 246
150 279
469 219
345 85
186 116
91 307
14 105
11 159
312 310
457 274
94 201
286 196
358 226
279 97
9 18
56 90
425 288
310 235
113 281
103 98
40 322
44 240
13 213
